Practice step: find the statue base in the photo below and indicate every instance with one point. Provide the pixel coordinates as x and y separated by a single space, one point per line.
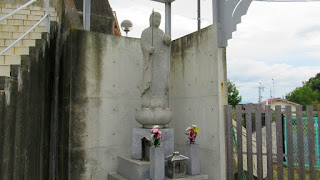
149 117
139 133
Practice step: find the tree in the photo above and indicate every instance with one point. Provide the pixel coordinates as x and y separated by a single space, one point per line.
308 94
304 95
314 83
233 94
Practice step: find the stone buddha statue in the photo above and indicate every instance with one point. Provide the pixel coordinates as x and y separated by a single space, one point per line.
155 45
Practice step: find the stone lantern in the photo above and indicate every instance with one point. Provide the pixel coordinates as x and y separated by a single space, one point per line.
176 165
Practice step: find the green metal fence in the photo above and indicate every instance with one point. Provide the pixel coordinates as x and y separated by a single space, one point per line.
305 140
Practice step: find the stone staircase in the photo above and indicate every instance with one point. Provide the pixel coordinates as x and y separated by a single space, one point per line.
25 90
14 27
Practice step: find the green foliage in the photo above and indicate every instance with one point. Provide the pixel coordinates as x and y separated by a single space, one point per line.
308 94
233 94
303 95
314 83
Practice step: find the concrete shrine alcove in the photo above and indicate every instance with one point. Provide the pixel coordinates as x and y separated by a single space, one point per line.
145 146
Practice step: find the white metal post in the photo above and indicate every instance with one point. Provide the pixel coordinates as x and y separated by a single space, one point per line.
168 18
86 14
47 3
199 15
167 14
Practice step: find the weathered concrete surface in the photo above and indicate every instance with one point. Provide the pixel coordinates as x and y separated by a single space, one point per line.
198 92
71 16
21 72
9 128
102 75
101 18
2 114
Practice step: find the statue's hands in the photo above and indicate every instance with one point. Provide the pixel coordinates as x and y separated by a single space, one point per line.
167 39
151 50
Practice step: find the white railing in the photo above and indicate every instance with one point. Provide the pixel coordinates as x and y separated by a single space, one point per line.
46 16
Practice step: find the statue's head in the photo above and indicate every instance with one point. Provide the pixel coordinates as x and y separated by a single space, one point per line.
156 19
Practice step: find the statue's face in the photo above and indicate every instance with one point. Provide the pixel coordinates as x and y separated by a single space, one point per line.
156 19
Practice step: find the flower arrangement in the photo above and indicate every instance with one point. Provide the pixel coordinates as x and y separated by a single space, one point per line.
156 135
192 133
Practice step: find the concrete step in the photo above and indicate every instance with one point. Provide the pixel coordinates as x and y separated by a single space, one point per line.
115 176
26 16
133 169
20 28
4 70
8 60
23 42
16 50
4 5
194 177
24 22
28 12
16 35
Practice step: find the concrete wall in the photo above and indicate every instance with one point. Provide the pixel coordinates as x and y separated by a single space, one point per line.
198 91
100 80
102 74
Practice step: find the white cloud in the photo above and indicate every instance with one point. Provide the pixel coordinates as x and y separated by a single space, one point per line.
246 74
275 40
271 28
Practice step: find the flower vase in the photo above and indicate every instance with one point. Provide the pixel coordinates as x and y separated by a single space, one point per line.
157 171
193 163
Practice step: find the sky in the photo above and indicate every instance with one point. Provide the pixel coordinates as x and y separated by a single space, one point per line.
276 42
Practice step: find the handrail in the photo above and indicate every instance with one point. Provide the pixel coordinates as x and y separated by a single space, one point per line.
26 33
47 15
18 9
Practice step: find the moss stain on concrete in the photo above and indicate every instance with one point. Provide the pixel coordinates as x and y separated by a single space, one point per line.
78 104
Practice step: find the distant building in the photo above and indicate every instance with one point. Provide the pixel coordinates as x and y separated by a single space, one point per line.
279 101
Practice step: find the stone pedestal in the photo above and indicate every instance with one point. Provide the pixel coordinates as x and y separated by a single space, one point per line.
139 133
133 169
193 163
157 163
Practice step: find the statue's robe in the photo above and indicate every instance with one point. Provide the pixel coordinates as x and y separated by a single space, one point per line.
156 69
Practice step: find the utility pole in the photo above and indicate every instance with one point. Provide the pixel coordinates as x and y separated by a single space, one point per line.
261 88
273 89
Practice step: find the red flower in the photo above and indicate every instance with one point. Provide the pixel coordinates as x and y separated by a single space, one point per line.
191 131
